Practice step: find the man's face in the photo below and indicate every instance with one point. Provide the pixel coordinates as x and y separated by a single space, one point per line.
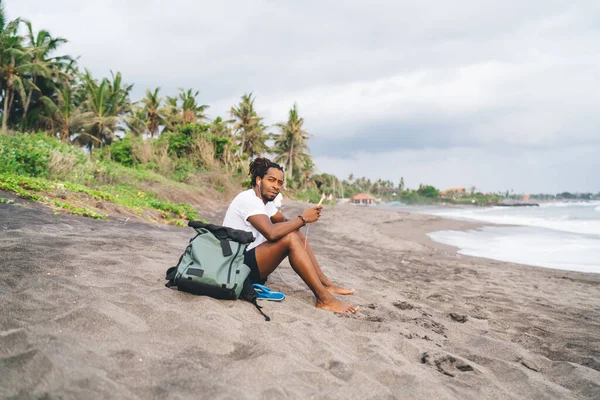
270 185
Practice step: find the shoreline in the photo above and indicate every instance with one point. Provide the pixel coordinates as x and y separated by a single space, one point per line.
429 223
86 314
469 240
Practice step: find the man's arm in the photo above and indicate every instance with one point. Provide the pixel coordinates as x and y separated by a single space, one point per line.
278 217
275 231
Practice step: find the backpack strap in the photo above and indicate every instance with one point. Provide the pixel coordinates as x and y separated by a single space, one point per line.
225 246
250 295
219 231
171 272
259 308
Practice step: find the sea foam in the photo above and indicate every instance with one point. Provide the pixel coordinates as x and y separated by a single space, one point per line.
527 245
566 217
562 235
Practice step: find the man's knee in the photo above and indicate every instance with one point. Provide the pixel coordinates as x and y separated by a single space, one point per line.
292 239
299 234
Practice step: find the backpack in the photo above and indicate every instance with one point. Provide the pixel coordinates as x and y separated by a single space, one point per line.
213 265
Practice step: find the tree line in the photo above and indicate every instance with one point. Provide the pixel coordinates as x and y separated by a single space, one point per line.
43 90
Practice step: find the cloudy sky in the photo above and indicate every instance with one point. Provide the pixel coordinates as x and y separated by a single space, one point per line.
502 95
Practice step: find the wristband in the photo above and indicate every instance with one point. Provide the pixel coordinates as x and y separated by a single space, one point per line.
303 219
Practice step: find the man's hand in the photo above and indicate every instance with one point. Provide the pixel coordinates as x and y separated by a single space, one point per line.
312 214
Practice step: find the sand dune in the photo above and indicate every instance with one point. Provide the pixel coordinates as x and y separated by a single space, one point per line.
85 314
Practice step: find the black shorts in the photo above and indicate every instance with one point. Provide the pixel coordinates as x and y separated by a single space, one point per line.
250 261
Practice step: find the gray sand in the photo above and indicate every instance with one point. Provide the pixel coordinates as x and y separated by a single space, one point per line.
85 315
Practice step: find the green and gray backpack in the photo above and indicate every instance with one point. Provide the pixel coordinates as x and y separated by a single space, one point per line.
213 264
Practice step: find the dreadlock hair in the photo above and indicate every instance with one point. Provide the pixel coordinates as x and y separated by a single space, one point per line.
259 167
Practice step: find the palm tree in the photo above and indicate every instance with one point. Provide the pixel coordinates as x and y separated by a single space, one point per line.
136 122
306 170
256 139
99 130
108 101
247 120
192 111
173 114
290 144
12 64
155 115
119 102
221 127
63 116
41 46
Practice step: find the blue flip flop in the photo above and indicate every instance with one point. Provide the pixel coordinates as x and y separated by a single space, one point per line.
264 293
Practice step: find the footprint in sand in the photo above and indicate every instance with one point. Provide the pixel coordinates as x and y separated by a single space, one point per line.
403 305
446 363
440 297
244 351
430 324
339 369
458 317
480 313
370 314
374 318
412 295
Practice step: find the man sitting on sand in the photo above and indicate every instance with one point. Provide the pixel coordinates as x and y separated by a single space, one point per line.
276 237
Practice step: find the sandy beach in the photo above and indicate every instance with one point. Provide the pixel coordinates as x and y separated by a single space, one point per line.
85 315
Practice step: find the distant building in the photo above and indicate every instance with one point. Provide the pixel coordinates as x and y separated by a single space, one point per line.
362 198
453 192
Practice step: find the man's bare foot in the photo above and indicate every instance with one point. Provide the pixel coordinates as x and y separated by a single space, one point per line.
333 289
337 306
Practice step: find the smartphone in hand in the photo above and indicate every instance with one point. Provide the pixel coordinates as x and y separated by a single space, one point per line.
321 201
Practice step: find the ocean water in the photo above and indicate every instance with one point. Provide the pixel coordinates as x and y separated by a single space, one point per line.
561 235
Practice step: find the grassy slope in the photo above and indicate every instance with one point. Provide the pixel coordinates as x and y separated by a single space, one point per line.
67 179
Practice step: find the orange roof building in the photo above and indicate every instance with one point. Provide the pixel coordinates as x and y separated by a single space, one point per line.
452 191
362 198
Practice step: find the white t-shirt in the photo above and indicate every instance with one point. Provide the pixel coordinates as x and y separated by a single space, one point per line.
245 205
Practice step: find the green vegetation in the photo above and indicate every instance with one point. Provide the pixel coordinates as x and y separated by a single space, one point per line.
43 190
32 155
25 187
77 129
310 195
36 167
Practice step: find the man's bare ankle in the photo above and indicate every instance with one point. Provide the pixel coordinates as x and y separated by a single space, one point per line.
325 299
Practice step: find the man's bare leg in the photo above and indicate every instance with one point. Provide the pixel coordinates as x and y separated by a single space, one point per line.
324 280
270 254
